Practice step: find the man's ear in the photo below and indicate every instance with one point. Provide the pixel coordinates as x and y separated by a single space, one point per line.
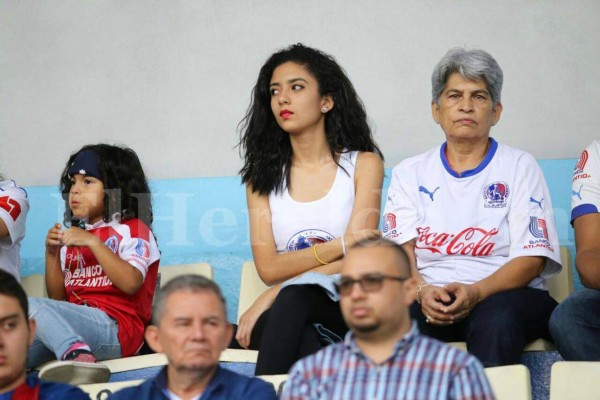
410 290
152 336
32 328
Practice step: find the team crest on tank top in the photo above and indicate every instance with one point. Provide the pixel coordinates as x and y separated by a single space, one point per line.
308 238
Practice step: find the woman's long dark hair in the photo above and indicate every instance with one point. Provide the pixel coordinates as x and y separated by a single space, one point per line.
267 148
125 184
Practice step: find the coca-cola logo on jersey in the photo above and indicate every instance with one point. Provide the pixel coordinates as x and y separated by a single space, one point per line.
475 242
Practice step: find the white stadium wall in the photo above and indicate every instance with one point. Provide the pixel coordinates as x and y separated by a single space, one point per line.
172 79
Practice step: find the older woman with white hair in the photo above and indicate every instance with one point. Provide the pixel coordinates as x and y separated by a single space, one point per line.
476 215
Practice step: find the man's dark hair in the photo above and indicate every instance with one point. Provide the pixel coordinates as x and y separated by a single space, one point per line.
11 288
404 264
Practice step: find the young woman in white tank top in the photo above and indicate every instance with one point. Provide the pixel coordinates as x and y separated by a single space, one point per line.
313 178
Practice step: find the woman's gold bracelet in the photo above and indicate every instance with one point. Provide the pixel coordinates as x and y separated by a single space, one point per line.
317 256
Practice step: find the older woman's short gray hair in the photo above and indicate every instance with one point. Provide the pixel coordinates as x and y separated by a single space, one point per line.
190 283
471 64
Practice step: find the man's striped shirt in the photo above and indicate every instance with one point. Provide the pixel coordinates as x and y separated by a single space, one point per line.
419 368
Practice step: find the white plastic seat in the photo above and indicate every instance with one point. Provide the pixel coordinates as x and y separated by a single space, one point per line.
574 380
251 286
561 285
34 285
536 345
135 362
171 271
510 382
160 359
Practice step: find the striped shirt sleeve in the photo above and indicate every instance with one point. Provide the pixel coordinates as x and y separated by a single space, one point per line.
471 383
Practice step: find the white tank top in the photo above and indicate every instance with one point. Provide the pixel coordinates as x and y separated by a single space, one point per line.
298 225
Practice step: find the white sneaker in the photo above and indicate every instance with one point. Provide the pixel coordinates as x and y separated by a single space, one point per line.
75 373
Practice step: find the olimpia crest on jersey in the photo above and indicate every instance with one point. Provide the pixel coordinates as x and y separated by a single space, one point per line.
495 194
389 226
142 249
308 238
112 243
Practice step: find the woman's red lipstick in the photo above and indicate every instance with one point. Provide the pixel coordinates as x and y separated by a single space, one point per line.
285 114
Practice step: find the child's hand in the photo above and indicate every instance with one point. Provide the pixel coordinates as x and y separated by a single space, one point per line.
78 237
54 239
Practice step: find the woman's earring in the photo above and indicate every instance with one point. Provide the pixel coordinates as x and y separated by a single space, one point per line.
323 110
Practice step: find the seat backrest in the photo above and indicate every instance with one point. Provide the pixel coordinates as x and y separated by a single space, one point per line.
510 382
171 271
101 391
561 285
251 286
574 380
278 381
34 285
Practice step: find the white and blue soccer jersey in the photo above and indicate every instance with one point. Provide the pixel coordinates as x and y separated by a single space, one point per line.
468 225
14 205
585 197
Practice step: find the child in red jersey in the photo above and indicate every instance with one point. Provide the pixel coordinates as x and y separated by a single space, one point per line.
101 271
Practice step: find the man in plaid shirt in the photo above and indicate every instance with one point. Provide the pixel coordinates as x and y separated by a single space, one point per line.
384 356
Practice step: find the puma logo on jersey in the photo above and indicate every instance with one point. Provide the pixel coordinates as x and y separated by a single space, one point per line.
539 203
427 192
578 194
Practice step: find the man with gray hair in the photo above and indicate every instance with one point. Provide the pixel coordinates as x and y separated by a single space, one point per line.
189 324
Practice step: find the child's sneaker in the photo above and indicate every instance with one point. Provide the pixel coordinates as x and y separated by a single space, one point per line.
79 367
81 355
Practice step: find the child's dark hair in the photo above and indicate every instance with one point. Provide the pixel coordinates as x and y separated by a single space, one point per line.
125 184
11 288
267 148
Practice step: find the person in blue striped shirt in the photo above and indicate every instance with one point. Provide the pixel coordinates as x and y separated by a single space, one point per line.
384 356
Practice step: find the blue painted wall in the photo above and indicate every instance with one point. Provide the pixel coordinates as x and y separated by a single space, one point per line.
205 219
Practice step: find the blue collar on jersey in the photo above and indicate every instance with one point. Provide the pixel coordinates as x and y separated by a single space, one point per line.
470 172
